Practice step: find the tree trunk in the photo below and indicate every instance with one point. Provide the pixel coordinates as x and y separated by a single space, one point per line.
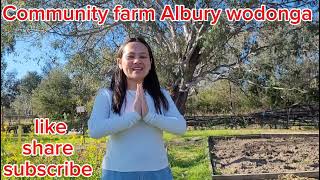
180 99
180 94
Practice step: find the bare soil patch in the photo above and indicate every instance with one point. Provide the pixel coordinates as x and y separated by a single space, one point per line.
266 155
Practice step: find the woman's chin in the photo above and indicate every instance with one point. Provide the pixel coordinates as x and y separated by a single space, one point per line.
137 78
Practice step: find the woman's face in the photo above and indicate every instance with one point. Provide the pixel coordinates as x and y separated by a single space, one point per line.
135 61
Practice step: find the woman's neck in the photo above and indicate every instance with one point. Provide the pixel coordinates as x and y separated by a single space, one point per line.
132 85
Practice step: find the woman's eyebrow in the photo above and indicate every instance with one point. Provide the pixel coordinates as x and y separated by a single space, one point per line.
139 53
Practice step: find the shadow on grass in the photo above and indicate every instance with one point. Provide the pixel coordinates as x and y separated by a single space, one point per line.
186 156
186 162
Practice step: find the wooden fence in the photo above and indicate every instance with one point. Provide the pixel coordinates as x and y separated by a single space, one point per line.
285 118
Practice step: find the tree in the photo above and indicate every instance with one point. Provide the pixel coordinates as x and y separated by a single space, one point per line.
3 70
186 52
220 97
10 89
88 77
28 83
287 73
53 96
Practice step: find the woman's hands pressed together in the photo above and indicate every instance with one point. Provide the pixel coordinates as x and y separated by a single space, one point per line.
140 103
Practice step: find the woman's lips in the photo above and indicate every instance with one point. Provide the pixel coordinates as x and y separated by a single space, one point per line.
137 69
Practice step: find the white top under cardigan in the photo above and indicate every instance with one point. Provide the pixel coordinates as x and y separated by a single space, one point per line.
135 144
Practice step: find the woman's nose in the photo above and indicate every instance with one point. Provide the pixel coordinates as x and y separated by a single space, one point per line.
137 60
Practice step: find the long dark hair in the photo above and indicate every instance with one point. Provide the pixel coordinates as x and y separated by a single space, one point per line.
150 83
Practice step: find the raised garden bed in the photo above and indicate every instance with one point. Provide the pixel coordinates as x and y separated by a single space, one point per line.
265 156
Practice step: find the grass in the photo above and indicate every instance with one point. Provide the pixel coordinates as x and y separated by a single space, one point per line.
188 154
189 159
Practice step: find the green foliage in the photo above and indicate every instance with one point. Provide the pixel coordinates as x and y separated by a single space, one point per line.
89 73
9 88
218 98
22 104
287 72
29 83
53 95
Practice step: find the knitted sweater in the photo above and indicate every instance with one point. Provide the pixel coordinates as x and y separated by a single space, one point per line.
135 143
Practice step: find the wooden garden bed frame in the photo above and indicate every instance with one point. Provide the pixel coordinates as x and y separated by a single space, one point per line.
212 142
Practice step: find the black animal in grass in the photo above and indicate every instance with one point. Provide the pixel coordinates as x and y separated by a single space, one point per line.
26 128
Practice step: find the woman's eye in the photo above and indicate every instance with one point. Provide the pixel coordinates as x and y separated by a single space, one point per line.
130 57
143 57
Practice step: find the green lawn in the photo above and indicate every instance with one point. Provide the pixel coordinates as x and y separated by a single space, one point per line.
188 154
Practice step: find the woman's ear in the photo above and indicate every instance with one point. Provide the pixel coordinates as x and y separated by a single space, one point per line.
119 63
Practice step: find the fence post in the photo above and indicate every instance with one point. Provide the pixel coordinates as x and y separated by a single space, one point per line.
19 133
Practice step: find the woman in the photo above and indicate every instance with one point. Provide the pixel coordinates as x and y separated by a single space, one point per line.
135 111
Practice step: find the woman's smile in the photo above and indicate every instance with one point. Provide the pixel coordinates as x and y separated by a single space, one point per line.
137 69
135 62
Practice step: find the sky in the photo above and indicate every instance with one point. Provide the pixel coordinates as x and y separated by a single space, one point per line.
29 57
18 61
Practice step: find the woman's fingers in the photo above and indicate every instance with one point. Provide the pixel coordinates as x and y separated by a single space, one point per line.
137 101
141 99
144 105
140 90
137 106
140 103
